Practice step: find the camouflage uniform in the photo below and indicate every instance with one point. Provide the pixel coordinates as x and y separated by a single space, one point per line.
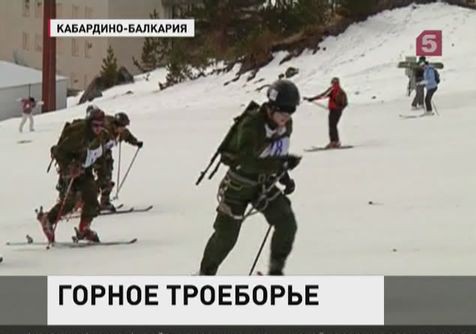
104 166
256 164
78 147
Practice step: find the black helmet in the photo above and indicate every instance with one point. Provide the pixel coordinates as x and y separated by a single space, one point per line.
284 95
121 119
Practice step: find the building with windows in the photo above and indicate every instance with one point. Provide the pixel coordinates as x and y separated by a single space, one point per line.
79 59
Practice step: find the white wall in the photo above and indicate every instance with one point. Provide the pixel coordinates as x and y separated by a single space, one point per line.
10 107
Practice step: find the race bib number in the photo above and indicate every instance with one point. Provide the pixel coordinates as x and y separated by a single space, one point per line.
277 148
92 156
110 144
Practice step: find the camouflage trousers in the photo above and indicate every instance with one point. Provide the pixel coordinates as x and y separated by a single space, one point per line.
103 171
84 189
235 194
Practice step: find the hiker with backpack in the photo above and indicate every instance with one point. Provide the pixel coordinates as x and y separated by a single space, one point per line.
337 103
81 143
418 76
431 79
256 149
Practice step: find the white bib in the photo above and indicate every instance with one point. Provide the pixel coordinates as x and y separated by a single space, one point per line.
92 156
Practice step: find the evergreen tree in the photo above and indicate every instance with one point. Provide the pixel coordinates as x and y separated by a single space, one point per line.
152 50
109 69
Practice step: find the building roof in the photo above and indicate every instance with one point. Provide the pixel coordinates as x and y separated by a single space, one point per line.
12 75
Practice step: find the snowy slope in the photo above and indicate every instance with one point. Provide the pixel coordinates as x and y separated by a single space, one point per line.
418 172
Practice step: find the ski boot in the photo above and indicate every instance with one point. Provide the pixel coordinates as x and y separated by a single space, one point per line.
106 205
276 268
46 225
333 144
84 232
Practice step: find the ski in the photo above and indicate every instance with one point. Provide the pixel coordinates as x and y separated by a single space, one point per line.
127 210
320 148
415 116
119 210
70 244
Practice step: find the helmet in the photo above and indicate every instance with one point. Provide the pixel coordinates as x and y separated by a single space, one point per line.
90 108
96 115
121 119
335 81
284 95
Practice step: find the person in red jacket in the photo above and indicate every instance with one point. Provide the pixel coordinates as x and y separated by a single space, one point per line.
337 103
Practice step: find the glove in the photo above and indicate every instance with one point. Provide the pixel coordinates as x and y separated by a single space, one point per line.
53 151
307 99
289 187
74 170
288 183
291 161
139 144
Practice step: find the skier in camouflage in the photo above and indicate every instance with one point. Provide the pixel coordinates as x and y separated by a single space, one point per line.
80 145
257 154
117 127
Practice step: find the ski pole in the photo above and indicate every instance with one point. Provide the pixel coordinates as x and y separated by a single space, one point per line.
49 165
319 105
118 170
127 173
253 211
260 250
60 211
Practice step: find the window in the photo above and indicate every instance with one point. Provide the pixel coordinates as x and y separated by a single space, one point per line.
25 41
38 8
59 10
74 47
88 11
26 8
75 12
38 42
88 45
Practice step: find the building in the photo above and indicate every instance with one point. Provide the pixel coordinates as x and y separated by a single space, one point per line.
18 82
79 59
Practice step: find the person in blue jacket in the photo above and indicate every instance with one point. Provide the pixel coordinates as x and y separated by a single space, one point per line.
430 80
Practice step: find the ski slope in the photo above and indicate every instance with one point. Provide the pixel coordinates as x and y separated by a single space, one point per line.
418 173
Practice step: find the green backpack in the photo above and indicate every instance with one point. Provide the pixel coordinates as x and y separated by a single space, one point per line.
224 151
